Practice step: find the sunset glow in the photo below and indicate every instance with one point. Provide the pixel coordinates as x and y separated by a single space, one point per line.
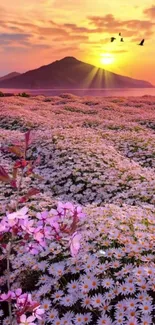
35 33
107 59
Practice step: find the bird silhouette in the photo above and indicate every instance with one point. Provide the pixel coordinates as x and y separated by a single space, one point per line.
142 42
121 39
112 39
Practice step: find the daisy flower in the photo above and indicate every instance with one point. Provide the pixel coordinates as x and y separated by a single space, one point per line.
104 320
57 269
86 302
57 321
146 320
132 321
56 296
87 318
94 283
6 321
146 307
73 286
131 303
46 304
78 319
109 295
107 283
52 314
67 318
68 300
85 286
97 300
130 288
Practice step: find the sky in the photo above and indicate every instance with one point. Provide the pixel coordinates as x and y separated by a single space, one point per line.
37 32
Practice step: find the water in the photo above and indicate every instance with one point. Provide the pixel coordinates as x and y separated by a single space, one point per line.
116 92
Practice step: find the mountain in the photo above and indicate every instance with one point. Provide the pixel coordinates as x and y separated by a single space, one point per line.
9 76
70 73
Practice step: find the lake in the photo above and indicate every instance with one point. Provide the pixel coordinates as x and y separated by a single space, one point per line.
116 92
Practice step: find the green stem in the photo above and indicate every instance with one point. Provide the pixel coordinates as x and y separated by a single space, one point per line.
8 278
19 188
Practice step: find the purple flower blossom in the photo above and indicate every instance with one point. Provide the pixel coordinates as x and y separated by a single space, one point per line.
75 244
27 320
20 214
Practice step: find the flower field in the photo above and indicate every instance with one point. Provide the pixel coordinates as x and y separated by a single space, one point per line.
77 210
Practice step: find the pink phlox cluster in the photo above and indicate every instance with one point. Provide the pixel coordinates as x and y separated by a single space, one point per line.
23 303
48 225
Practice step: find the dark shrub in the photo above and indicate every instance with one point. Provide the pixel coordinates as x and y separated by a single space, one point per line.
23 94
1 94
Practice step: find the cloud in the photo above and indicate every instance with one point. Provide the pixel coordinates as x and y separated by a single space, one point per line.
52 31
6 38
61 29
93 33
26 48
14 28
110 24
75 28
119 51
70 38
22 24
139 24
150 12
105 22
40 36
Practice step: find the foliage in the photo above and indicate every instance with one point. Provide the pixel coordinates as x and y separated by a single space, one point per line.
1 94
23 95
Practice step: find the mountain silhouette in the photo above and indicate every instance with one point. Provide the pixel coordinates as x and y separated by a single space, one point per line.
9 76
70 73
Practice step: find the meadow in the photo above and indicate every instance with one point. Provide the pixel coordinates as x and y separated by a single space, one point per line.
81 248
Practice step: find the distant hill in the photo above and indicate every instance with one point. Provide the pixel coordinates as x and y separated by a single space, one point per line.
10 76
70 73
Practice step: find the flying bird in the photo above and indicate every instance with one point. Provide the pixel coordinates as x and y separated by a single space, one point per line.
121 39
142 42
112 39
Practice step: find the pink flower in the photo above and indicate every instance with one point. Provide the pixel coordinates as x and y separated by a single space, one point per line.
37 312
32 248
27 321
80 214
43 215
3 226
20 214
27 225
54 224
75 243
38 235
7 296
18 292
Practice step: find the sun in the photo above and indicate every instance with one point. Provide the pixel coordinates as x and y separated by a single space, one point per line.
107 58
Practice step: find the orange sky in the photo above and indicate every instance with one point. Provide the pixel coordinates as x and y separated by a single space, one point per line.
37 32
